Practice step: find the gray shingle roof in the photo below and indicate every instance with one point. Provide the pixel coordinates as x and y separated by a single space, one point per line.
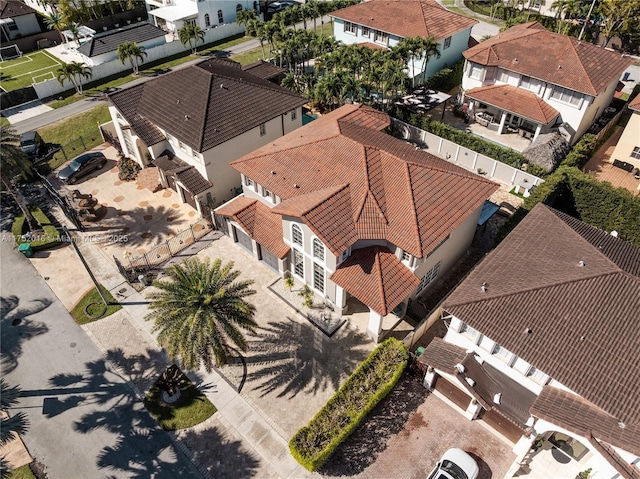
109 41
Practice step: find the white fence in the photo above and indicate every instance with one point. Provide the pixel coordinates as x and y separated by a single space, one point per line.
53 87
464 157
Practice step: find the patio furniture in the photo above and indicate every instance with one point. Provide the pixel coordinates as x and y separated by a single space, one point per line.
484 118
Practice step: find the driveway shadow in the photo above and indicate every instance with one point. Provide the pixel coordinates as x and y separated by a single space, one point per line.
485 470
291 357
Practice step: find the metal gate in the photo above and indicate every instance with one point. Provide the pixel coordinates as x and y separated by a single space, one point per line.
243 239
268 257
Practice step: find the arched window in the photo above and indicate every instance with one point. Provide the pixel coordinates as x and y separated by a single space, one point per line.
296 234
207 20
238 8
220 18
318 249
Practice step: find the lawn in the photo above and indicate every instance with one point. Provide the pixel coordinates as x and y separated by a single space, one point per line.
22 472
76 134
20 72
192 407
78 312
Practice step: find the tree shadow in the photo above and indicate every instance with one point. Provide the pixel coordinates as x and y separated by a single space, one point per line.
387 419
17 328
221 456
291 357
141 369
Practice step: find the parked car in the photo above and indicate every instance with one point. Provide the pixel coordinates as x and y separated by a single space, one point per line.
81 166
276 7
32 144
455 464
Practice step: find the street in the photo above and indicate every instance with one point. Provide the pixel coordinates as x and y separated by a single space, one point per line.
85 421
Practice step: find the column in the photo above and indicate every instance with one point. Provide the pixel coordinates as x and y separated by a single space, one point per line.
341 302
503 119
538 129
473 410
375 325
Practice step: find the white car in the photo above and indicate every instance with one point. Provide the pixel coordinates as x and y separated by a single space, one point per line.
455 464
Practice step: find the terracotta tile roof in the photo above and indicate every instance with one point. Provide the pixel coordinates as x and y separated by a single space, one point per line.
264 70
407 18
222 102
540 285
442 355
11 9
576 414
376 276
410 198
530 49
373 46
515 100
626 470
635 103
106 42
258 222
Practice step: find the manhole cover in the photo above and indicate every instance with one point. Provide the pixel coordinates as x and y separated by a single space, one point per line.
16 321
72 345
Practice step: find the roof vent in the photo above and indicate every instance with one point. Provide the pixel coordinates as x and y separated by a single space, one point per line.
528 330
273 172
614 233
295 185
582 338
559 67
497 397
515 59
187 117
581 263
470 382
621 425
484 287
178 101
479 359
461 369
223 87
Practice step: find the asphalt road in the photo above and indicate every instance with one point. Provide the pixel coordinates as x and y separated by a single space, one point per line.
85 422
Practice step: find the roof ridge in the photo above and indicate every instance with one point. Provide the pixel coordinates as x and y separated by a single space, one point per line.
472 176
338 188
414 212
274 87
575 51
424 16
206 111
249 157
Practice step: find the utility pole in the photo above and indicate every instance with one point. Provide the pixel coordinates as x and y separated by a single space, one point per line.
588 19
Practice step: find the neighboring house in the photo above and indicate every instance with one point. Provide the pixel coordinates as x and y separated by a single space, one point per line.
172 15
17 20
103 47
354 212
628 147
191 123
542 342
529 80
384 23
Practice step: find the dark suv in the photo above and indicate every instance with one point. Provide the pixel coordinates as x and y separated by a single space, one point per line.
81 166
32 144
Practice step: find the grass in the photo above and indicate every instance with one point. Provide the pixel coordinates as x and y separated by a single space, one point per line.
78 313
4 121
249 56
23 472
19 72
47 238
68 132
192 408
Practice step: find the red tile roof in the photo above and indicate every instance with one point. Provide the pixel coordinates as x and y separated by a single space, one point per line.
583 319
407 18
515 100
350 182
258 222
530 49
635 103
376 276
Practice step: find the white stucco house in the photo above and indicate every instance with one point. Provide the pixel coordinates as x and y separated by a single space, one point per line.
191 123
542 345
384 23
360 217
528 80
17 20
171 15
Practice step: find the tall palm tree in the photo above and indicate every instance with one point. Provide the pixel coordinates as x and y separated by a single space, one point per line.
255 28
74 28
243 17
133 53
430 48
15 424
191 34
55 21
74 72
411 49
200 311
14 164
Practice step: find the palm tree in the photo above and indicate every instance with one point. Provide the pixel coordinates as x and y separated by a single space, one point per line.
74 28
255 28
132 52
74 72
199 313
243 17
12 425
55 21
411 49
191 34
14 164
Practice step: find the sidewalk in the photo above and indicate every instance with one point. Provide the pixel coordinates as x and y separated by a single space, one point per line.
249 440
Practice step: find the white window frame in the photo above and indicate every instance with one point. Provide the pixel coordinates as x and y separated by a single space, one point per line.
471 333
318 272
503 76
366 32
268 194
635 153
296 227
380 37
503 354
447 43
294 115
473 67
316 242
296 253
537 376
351 28
567 96
249 182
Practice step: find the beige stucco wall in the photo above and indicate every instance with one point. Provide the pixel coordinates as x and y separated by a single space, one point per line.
629 140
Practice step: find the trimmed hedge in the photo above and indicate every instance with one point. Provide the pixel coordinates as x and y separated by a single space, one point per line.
447 78
45 240
312 445
581 151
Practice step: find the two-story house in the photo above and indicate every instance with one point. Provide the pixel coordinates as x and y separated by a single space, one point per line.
191 123
17 20
528 80
355 213
542 341
384 23
172 15
628 146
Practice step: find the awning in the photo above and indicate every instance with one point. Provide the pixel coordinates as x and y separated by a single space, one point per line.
376 277
488 210
517 101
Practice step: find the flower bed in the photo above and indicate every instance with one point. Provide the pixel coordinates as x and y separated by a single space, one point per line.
312 445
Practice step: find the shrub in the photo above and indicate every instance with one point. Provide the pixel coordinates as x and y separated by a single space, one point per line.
312 445
581 151
48 238
447 78
127 169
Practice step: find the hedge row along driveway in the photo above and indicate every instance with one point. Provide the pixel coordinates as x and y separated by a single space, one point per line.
312 445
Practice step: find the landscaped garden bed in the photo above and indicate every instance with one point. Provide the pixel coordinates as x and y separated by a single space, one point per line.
91 307
312 445
47 238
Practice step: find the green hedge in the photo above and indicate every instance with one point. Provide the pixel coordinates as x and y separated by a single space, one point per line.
48 238
447 78
312 445
581 151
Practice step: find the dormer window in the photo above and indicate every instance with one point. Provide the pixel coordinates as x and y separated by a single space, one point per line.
267 194
248 182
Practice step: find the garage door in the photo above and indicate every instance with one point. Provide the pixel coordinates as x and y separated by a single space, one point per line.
268 258
243 239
